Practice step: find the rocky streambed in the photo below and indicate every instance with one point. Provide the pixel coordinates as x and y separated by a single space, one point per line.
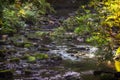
28 57
33 55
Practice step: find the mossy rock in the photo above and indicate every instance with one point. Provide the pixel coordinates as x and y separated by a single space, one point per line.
25 56
18 44
45 37
41 56
11 51
28 45
31 59
46 40
28 72
15 60
3 50
23 44
41 33
6 74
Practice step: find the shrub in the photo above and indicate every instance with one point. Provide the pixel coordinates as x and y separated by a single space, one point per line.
15 14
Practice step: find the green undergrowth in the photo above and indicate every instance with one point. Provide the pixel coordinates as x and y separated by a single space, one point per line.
17 13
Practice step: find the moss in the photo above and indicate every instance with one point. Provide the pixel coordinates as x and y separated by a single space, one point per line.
23 44
41 33
27 45
3 51
41 56
31 59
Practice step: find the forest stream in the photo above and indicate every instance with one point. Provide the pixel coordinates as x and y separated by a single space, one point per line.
26 56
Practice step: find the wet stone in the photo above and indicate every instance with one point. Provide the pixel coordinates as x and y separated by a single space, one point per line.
35 44
2 42
72 76
15 60
19 44
18 72
56 58
28 72
71 51
80 48
11 51
2 54
43 49
33 39
46 40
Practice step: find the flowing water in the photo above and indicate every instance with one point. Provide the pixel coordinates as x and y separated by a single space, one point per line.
88 52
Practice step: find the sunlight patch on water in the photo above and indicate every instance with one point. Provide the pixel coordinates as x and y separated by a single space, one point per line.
89 52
